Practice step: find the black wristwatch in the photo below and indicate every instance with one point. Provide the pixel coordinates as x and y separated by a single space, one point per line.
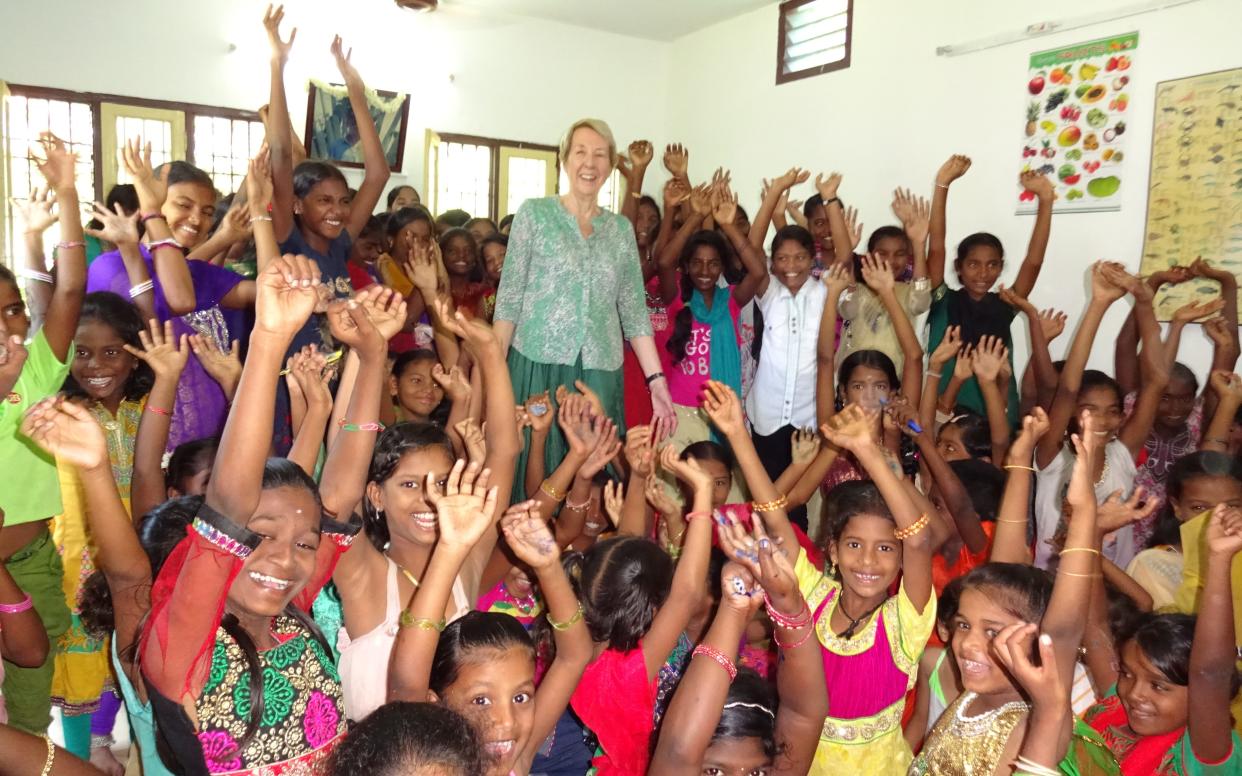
651 378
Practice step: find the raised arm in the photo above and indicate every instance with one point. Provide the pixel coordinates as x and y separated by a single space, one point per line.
879 278
954 168
37 214
956 499
990 355
1009 544
166 256
1213 654
1228 388
60 322
279 139
639 156
1044 328
376 172
310 400
752 258
1028 273
842 246
1104 291
1154 368
1227 351
167 355
837 279
465 511
775 194
946 351
122 231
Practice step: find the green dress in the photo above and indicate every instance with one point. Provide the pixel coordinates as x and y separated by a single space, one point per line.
988 316
573 301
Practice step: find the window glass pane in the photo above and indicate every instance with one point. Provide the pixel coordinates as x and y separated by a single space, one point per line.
465 178
528 179
223 148
609 193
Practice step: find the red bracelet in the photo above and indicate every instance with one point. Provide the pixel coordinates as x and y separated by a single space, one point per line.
69 245
159 411
795 644
18 607
800 620
721 659
690 516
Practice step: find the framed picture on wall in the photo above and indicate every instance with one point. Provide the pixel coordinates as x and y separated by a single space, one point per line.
332 133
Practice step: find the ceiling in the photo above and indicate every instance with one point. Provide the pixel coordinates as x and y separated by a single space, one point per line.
652 19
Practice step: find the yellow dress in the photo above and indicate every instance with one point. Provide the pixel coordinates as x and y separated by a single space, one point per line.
867 677
1187 601
82 669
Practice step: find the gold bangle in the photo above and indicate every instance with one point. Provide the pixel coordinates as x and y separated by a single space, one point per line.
914 528
1019 466
1091 550
769 506
1084 576
51 756
572 621
1023 522
408 620
551 491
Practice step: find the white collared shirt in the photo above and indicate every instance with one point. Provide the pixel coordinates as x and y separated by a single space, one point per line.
783 392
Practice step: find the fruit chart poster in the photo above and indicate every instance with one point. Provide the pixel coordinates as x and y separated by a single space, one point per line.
1194 197
1077 109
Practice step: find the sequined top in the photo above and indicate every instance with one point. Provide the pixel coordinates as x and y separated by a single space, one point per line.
868 326
569 295
968 746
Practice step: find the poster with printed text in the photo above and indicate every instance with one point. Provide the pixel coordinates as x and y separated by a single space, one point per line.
1194 196
1077 106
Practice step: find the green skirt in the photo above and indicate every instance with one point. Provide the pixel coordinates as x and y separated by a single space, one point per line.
531 378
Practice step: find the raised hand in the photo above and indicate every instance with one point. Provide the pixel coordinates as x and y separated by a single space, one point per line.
1223 534
67 431
224 368
827 187
422 266
794 176
768 564
1201 268
575 422
165 353
723 408
660 499
1043 684
639 453
607 446
1197 310
1052 323
58 162
527 534
1226 385
259 183
539 412
953 168
348 72
237 223
456 386
307 373
1115 513
152 191
677 161
641 153
474 333
688 471
724 210
837 278
676 191
1037 184
286 294
701 200
614 497
271 23
914 213
466 508
38 211
904 416
853 229
989 356
1034 426
115 227
349 324
385 308
472 436
1088 443
592 399
738 590
1108 282
1220 331
805 446
963 368
949 346
851 428
877 275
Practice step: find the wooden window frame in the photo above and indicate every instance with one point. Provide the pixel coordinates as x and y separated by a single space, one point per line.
495 144
96 99
781 76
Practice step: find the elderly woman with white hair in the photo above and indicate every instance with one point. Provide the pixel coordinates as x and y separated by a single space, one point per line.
572 290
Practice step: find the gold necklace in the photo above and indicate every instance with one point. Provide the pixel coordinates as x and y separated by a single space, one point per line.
407 574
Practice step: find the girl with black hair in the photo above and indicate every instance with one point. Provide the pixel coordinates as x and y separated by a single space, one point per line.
483 664
1197 483
1081 390
403 738
1167 710
705 341
722 720
975 307
371 243
465 271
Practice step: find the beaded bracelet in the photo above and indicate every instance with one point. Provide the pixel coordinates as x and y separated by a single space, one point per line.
571 622
791 645
578 507
17 608
375 426
51 756
721 659
141 288
34 274
158 411
800 620
912 529
769 506
220 539
551 491
408 620
69 245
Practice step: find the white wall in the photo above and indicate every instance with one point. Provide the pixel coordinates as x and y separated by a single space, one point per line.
514 79
899 111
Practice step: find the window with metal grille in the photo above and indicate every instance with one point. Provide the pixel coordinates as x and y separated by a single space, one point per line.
814 38
486 176
223 147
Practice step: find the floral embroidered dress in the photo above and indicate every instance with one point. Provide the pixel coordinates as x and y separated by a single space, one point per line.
189 658
1170 754
867 677
81 661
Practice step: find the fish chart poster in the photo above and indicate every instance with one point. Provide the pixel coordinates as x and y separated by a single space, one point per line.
1077 111
1194 198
